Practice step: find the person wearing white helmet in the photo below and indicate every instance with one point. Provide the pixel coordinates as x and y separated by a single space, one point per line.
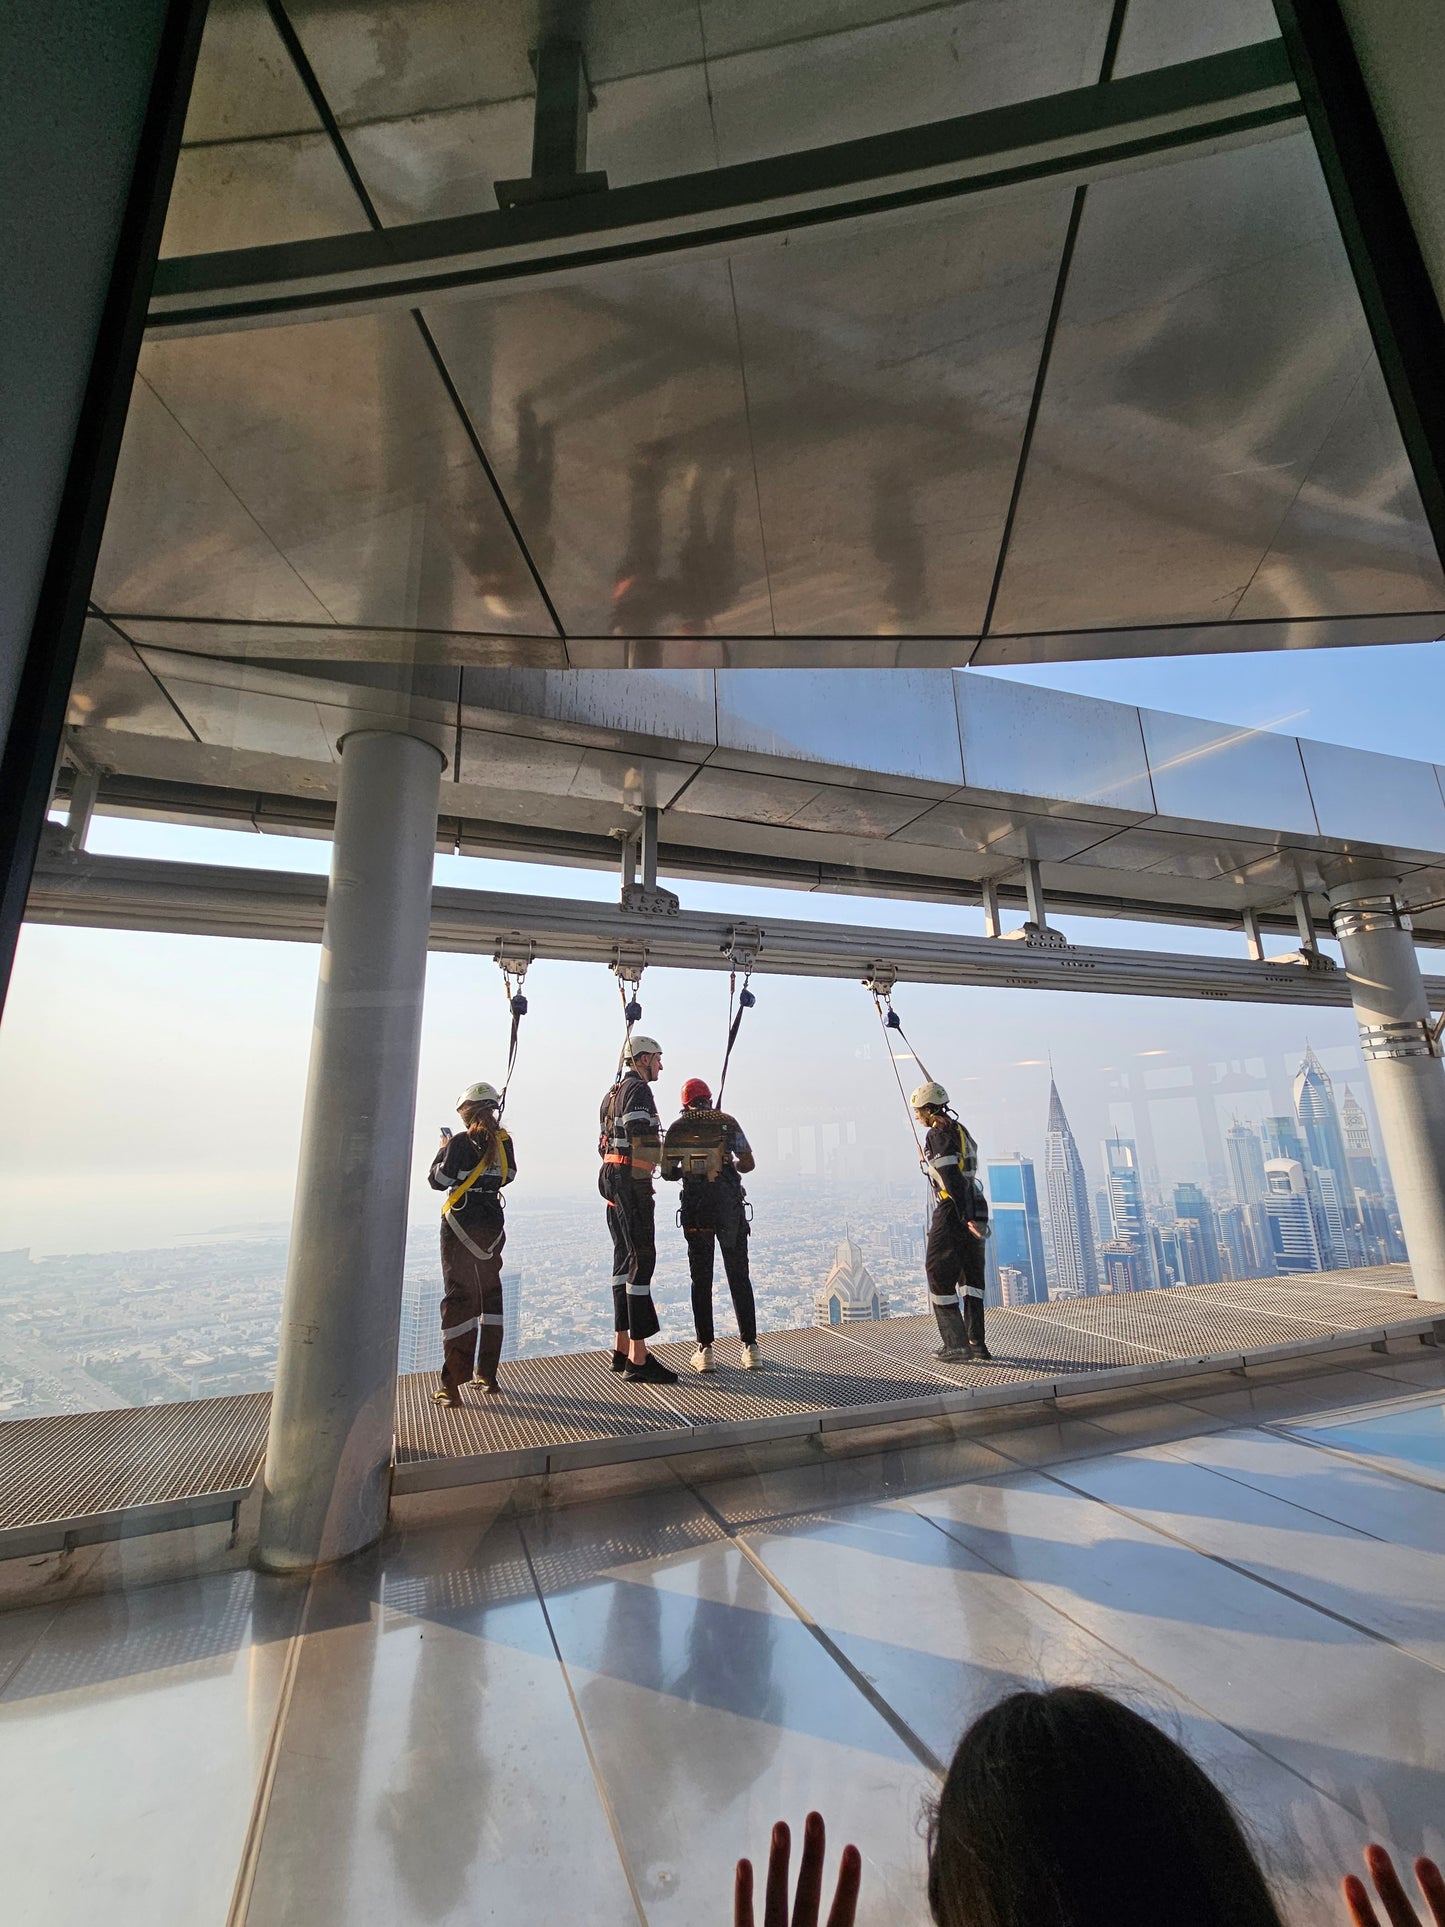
630 1146
472 1166
954 1254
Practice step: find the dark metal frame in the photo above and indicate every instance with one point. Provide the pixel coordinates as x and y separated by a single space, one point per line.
1401 303
32 746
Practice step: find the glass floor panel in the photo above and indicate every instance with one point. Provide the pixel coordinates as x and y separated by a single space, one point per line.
1413 1436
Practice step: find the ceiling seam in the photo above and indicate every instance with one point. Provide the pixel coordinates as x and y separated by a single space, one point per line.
143 380
1066 258
307 75
130 644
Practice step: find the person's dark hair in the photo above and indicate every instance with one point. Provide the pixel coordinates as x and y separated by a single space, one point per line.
1067 1809
481 1123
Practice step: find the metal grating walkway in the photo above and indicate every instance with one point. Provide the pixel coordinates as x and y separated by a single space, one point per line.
560 1413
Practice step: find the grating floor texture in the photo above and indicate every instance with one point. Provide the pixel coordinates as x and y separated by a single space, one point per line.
77 1465
80 1463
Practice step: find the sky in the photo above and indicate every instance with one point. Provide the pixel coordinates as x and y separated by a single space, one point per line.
151 1086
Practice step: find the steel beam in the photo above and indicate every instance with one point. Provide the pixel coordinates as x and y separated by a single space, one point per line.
1226 99
122 893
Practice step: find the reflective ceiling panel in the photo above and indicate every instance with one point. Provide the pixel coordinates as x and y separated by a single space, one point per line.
664 705
828 75
254 166
114 690
1355 536
177 539
1158 33
1210 338
1006 836
892 722
248 194
1022 741
332 445
1367 797
380 59
289 642
245 84
614 413
448 162
1211 772
889 373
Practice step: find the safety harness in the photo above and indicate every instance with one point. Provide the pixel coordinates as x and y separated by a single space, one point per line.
455 1196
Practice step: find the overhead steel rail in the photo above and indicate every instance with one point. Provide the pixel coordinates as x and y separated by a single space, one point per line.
1226 99
122 893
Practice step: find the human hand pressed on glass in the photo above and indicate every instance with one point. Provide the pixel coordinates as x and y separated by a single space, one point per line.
809 1896
1399 1908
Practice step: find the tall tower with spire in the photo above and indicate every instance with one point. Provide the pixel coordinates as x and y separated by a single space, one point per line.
1324 1141
1075 1262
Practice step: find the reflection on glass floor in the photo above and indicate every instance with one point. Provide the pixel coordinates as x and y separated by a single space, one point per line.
587 1714
1413 1435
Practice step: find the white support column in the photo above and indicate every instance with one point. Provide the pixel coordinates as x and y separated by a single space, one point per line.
1407 1077
328 1459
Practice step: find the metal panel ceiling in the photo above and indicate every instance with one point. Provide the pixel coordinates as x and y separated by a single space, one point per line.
1210 337
897 722
889 373
1019 741
254 165
831 79
1246 776
339 473
616 419
1159 31
1372 798
114 691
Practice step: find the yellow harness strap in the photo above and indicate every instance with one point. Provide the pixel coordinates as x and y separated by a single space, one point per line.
472 1176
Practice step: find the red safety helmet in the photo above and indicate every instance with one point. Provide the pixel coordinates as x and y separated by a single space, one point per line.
694 1091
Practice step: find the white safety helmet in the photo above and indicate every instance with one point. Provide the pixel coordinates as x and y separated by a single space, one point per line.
929 1097
640 1046
479 1094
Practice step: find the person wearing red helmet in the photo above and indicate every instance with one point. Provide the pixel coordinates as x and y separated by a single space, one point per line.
706 1152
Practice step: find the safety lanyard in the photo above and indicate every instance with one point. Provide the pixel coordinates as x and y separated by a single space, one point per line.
744 1001
629 983
890 1020
517 1005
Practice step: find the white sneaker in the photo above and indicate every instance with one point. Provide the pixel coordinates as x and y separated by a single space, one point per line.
750 1360
701 1360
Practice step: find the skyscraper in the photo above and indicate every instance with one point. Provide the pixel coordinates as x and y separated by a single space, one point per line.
1282 1139
1359 1145
850 1293
1126 1204
1314 1102
1190 1203
1076 1268
1291 1221
1246 1162
1018 1237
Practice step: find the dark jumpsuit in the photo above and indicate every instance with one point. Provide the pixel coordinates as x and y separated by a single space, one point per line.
712 1214
631 1147
472 1241
954 1256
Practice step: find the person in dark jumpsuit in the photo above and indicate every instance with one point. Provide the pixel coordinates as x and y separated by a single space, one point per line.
954 1253
706 1151
471 1167
630 1145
